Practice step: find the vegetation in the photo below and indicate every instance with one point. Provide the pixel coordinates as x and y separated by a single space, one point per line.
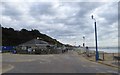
11 37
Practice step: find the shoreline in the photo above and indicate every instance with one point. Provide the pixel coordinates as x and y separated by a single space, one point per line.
105 50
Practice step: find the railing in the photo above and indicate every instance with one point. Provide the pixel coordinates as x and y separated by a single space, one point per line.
102 55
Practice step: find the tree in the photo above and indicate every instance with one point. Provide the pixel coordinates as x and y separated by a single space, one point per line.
11 37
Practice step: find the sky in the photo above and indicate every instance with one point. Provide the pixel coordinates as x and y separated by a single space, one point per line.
65 20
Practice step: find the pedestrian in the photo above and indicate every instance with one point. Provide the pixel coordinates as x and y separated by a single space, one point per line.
87 51
29 50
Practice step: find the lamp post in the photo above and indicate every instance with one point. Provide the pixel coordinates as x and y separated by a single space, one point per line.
97 53
83 41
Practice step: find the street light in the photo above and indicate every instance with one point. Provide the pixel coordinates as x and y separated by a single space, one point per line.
83 41
97 53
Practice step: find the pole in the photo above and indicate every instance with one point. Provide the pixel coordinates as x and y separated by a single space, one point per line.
97 54
83 41
103 56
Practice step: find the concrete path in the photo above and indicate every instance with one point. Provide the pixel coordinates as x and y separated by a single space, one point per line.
69 62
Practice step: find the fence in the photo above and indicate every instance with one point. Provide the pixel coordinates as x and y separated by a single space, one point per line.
107 56
102 55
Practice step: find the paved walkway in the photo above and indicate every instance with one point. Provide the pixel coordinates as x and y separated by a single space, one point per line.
112 63
70 62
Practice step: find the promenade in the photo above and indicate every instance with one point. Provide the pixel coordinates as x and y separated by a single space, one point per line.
69 62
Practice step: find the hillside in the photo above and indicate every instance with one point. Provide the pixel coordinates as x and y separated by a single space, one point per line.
11 37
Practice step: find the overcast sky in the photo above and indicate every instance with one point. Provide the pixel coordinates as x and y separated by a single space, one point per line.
66 21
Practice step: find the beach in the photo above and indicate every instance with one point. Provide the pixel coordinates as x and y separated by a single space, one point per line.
106 58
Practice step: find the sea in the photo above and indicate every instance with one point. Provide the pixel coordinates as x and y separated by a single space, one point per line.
107 49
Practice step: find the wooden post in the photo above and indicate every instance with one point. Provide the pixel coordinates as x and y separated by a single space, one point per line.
103 56
113 56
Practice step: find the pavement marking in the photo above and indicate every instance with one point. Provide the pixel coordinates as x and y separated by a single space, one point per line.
7 69
45 61
28 60
112 72
98 70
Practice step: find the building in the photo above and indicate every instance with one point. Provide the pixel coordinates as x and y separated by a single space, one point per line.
36 46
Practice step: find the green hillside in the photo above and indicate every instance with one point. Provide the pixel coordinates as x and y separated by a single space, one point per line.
11 37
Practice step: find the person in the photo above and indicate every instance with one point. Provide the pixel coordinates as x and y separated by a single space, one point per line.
14 51
29 50
87 51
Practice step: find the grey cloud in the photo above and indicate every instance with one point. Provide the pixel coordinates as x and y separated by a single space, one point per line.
87 7
78 18
110 18
74 25
59 33
40 8
107 33
10 11
110 13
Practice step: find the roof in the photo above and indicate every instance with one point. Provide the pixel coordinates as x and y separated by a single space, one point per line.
33 42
